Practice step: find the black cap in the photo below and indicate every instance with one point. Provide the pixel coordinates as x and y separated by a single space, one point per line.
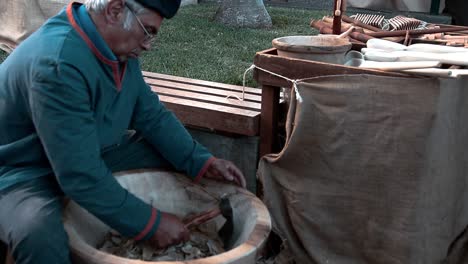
166 8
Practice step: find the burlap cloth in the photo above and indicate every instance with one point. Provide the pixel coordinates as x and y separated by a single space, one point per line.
19 18
374 171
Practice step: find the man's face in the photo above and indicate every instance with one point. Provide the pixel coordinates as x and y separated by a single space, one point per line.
130 43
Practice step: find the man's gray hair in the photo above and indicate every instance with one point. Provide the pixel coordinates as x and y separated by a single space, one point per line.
99 5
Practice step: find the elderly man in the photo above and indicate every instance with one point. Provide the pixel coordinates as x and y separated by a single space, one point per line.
69 94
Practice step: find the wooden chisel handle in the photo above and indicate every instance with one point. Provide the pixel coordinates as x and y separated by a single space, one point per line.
194 221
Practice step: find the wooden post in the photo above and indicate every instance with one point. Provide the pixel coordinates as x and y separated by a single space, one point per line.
269 119
337 13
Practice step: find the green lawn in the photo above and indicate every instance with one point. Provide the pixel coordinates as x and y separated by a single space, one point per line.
193 45
3 55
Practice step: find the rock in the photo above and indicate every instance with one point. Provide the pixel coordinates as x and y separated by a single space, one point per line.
243 13
187 249
116 240
147 253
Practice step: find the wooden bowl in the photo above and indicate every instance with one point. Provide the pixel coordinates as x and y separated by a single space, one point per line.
175 193
323 48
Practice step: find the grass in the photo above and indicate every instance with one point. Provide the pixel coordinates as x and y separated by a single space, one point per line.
193 45
3 55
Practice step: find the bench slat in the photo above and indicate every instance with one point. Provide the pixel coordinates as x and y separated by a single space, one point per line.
204 104
214 117
233 102
156 83
224 86
211 107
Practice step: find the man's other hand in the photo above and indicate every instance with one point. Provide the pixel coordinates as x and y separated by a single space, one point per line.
171 231
225 170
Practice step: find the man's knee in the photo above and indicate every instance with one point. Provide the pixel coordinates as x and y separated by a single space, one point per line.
38 238
135 153
38 233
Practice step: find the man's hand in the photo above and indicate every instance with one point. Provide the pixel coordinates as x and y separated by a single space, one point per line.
171 231
225 170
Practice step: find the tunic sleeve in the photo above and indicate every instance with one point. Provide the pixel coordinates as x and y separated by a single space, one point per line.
62 113
165 132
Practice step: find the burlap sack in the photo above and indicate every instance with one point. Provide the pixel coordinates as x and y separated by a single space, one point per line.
375 170
19 18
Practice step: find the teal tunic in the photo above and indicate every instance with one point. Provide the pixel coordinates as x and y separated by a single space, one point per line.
64 100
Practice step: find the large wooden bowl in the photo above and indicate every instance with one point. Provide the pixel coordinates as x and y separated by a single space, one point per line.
175 193
323 48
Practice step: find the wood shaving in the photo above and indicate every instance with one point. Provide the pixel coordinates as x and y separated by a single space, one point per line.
203 243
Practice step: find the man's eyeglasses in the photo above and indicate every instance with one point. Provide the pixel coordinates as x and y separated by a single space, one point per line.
148 36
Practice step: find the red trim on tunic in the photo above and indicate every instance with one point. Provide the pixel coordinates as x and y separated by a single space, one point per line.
122 73
204 169
115 71
113 64
148 226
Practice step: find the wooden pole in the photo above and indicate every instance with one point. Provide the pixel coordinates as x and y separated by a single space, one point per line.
323 28
337 12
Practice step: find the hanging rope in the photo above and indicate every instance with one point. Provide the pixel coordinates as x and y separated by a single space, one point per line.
293 81
243 85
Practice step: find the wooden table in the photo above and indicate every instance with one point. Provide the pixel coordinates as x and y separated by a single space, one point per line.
293 69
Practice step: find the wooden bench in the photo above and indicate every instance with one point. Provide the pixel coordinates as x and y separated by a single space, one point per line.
204 104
